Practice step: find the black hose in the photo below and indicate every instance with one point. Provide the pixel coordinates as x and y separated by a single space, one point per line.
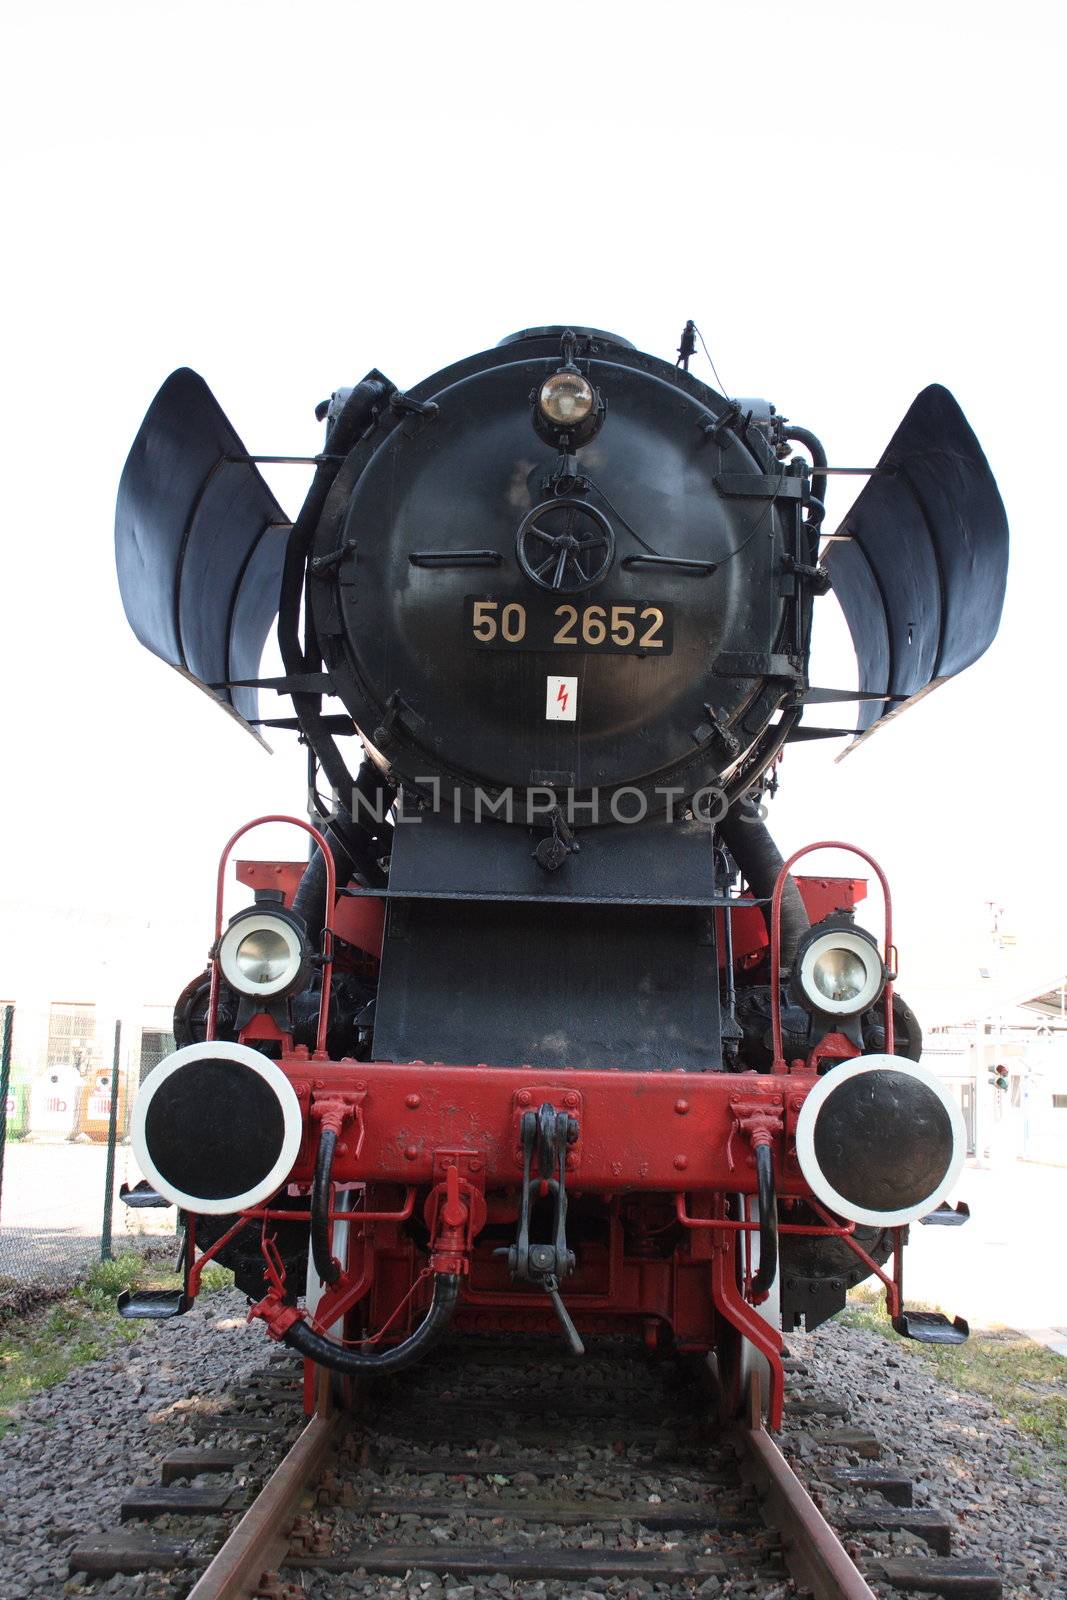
326 1265
356 852
768 1221
818 460
309 902
355 416
747 838
355 1364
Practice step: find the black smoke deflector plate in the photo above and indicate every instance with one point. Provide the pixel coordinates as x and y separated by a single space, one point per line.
921 579
199 544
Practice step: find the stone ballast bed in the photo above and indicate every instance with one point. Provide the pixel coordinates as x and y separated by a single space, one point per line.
79 1447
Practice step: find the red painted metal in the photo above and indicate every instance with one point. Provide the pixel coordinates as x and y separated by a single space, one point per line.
283 875
201 1261
637 1131
655 1150
332 1110
455 1214
358 919
892 1284
337 1215
732 1306
780 1064
262 1029
820 896
829 1230
454 1132
327 932
833 1047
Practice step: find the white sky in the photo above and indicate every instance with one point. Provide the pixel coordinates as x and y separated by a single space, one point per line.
852 201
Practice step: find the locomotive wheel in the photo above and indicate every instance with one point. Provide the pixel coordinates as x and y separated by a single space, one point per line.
736 1358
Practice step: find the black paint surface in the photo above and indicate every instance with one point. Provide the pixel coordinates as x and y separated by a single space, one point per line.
883 1140
199 542
921 578
396 638
214 1129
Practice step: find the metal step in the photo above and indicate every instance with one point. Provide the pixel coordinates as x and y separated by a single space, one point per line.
154 1304
142 1195
931 1327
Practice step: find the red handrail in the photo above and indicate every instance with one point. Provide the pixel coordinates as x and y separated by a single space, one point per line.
830 1230
780 1064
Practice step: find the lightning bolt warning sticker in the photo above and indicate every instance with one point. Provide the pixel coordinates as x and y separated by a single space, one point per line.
561 700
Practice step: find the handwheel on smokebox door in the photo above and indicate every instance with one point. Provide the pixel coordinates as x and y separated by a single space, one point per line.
736 1357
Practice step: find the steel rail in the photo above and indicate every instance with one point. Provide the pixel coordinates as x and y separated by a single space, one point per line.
813 1552
258 1545
259 1542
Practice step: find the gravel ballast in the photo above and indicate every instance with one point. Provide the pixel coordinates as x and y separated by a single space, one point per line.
78 1448
998 1488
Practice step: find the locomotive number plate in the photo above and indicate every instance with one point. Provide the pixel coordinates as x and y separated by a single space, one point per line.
633 629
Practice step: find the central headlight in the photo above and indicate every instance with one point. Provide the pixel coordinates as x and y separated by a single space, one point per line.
566 398
839 970
264 953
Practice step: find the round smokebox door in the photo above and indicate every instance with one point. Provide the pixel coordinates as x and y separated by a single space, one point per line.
216 1127
880 1140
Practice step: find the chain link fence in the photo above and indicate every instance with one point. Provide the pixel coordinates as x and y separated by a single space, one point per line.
68 1079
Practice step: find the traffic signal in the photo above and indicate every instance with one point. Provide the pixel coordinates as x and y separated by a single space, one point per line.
998 1077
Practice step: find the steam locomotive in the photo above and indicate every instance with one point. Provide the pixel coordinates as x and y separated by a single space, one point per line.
541 1032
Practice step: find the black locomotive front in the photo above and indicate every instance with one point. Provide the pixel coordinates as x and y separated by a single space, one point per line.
508 600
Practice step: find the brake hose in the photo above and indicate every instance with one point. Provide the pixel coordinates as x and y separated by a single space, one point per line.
354 1363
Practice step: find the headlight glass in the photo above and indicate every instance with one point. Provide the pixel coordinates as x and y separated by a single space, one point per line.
263 956
566 398
839 975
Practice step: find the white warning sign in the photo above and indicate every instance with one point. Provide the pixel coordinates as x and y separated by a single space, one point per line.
561 702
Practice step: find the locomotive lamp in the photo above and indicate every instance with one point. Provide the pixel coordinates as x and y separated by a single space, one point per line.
839 971
264 954
566 398
567 410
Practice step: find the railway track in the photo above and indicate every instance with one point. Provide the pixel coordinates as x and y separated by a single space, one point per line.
492 1465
